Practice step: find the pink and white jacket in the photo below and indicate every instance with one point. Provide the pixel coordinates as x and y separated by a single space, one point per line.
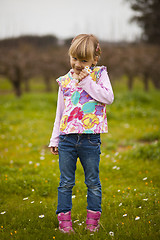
81 107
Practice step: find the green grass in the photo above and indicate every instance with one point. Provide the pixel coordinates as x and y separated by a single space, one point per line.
129 169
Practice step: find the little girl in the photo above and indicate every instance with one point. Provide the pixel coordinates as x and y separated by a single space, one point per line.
83 95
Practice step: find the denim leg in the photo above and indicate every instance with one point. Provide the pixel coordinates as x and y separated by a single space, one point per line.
67 165
89 154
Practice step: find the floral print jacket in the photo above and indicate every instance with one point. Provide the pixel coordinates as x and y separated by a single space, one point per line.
81 107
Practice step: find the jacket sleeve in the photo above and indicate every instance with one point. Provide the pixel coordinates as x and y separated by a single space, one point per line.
54 140
100 91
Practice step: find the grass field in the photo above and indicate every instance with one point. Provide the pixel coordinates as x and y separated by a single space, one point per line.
129 169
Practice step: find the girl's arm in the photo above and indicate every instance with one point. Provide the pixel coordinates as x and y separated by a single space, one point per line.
60 108
100 91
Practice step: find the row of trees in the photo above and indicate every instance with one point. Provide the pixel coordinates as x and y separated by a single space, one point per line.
134 60
27 57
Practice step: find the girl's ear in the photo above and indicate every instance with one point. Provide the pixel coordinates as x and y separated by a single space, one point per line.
95 60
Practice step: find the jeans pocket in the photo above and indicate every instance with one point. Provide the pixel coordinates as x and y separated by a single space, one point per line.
62 138
94 139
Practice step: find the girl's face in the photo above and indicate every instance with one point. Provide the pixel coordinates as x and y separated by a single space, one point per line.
79 64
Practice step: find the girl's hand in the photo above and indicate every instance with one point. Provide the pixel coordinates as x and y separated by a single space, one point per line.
54 150
82 75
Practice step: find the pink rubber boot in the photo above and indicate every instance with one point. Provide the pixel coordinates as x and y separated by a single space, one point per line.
92 220
65 222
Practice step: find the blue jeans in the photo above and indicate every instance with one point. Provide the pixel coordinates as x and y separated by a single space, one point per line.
87 148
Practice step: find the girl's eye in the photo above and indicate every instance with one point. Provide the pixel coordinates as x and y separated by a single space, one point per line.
74 58
84 61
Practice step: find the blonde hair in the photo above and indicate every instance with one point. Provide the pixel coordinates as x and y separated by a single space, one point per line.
85 46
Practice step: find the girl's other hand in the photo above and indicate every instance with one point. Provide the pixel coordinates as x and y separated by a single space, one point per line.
54 150
82 75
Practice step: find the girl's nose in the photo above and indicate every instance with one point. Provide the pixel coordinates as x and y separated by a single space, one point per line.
78 63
